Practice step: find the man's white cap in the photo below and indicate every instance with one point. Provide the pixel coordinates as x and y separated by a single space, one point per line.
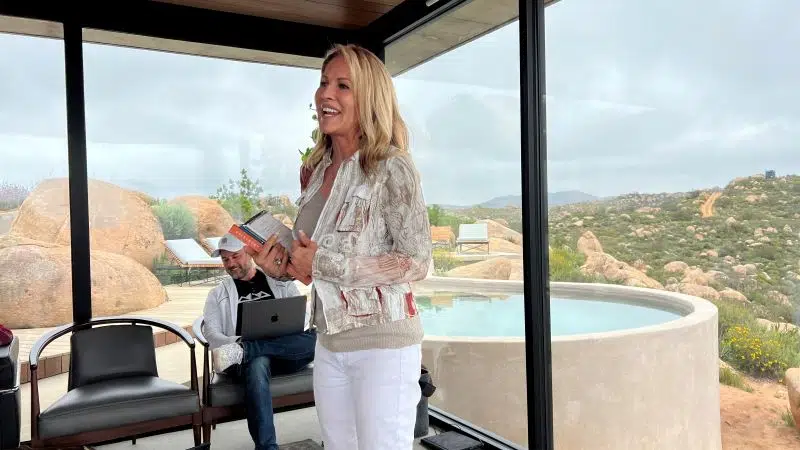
229 243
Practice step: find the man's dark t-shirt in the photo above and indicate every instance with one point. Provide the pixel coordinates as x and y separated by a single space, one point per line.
255 288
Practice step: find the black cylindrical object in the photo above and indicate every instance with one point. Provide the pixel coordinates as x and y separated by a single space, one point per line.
10 400
423 421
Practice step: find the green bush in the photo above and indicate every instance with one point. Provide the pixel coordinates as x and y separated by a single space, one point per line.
733 314
760 352
749 214
565 265
240 198
730 377
439 217
177 221
443 261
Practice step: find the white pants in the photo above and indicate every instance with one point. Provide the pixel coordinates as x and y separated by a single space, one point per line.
367 400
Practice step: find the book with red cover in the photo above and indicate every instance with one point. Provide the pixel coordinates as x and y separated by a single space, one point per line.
259 228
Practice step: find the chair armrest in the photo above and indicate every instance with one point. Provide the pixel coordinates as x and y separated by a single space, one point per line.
197 329
158 323
52 335
45 340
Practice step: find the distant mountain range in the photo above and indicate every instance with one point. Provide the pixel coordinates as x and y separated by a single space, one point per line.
553 199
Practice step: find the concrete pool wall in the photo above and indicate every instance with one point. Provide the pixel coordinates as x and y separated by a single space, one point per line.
655 387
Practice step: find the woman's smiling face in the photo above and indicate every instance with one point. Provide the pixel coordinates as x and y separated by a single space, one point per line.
336 104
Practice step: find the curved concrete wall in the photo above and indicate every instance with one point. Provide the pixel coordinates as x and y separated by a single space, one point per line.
654 387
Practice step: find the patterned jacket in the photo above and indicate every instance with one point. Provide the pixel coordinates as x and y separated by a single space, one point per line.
374 241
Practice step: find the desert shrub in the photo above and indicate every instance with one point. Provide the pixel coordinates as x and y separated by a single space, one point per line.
682 215
439 217
12 195
749 214
726 250
774 312
732 314
730 377
240 198
765 307
177 221
565 265
760 352
275 204
765 252
443 261
723 202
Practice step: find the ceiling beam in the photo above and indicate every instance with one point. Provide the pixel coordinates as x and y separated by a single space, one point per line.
183 23
404 19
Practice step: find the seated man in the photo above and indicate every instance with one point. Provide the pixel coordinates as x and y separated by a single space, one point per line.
252 362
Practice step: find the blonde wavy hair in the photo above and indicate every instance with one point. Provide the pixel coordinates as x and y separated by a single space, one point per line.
379 119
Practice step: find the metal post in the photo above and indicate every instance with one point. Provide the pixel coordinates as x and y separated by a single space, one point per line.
78 180
534 225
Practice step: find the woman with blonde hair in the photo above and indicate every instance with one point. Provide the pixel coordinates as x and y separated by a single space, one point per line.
363 237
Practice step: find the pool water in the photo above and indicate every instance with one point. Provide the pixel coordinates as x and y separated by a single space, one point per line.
480 316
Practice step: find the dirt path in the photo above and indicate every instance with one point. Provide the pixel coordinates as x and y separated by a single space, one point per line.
707 208
753 421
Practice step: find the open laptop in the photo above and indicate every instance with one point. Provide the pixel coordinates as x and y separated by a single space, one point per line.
271 317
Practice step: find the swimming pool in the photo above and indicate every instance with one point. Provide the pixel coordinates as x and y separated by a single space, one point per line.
631 367
454 314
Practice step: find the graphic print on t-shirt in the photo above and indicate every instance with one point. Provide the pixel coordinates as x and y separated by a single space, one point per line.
256 288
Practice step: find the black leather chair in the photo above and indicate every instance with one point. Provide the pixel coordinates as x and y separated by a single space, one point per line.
10 420
223 397
114 391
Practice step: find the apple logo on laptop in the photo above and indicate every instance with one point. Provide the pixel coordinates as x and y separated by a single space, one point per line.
274 318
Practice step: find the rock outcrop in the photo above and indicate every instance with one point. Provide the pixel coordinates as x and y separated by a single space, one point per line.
36 284
120 221
211 218
605 265
676 267
695 290
792 381
492 269
501 231
286 220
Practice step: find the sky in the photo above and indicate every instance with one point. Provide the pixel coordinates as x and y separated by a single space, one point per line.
654 96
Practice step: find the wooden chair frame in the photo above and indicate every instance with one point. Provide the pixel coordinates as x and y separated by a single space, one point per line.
213 415
127 431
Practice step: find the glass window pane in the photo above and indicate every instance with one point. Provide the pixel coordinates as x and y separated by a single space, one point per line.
181 147
672 142
462 107
35 259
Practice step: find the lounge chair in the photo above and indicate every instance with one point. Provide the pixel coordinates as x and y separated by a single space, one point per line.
189 256
210 244
473 235
113 390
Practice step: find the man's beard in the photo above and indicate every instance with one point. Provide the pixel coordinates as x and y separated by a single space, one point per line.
240 272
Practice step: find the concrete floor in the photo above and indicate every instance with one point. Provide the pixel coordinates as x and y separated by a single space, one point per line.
291 426
173 360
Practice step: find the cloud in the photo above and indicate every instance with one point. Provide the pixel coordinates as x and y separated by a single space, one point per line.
641 96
